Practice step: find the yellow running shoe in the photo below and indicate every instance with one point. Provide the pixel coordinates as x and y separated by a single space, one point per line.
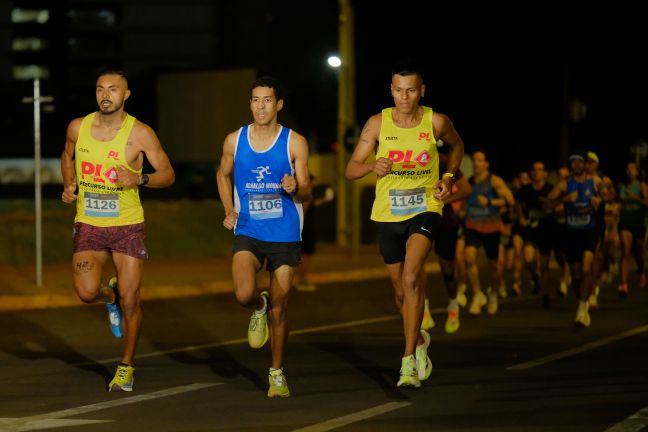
258 328
582 315
503 293
423 362
452 323
428 321
461 295
123 380
278 384
478 301
408 373
491 306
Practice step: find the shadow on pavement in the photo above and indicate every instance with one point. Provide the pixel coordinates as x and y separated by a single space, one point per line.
31 341
357 354
171 328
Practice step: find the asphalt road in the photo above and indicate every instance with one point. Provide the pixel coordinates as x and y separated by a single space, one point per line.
524 369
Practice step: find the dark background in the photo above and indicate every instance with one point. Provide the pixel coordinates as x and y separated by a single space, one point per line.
510 75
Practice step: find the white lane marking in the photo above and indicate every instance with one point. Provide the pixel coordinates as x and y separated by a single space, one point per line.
578 350
53 419
244 340
353 418
634 423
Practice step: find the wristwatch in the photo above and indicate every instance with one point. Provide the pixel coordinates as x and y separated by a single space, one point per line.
144 179
451 176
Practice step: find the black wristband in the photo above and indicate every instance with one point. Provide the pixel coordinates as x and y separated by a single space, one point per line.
145 179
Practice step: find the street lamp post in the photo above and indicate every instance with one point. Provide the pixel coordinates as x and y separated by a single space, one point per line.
37 100
346 115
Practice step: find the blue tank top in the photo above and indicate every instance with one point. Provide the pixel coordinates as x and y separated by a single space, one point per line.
580 214
484 219
266 212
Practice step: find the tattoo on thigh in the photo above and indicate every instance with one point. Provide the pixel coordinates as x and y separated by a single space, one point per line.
82 267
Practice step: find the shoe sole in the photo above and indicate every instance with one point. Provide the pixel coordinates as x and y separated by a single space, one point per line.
428 367
427 372
116 389
408 384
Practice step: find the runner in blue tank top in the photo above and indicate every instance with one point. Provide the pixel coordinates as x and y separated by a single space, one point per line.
581 197
271 180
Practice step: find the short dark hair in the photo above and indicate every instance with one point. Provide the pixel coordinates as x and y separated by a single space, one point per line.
482 151
270 82
112 71
408 66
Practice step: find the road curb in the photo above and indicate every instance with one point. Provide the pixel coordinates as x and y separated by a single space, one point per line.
162 292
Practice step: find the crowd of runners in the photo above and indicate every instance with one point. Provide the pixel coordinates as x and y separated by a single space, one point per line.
589 227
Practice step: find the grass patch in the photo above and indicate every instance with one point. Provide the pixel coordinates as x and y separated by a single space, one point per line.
174 230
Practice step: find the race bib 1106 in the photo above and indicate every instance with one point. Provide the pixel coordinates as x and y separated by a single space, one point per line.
265 206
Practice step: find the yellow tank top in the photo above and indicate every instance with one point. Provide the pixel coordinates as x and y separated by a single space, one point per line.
409 188
101 201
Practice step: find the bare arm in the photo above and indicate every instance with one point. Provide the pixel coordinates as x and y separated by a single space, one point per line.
464 189
444 130
558 190
503 192
609 192
643 199
601 192
225 182
163 176
558 195
299 184
68 170
357 166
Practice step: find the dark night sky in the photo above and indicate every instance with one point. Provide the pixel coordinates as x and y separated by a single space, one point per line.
499 73
497 69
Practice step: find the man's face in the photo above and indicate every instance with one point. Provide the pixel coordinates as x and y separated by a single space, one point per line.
577 166
538 172
111 91
591 166
480 164
264 105
563 173
632 171
407 91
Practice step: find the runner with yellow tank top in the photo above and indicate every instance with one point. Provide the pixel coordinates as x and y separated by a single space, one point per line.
103 158
409 200
102 202
409 188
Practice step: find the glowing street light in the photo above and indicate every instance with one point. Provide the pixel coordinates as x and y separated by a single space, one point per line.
334 61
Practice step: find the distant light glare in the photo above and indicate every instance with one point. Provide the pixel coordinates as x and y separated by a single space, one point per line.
334 61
